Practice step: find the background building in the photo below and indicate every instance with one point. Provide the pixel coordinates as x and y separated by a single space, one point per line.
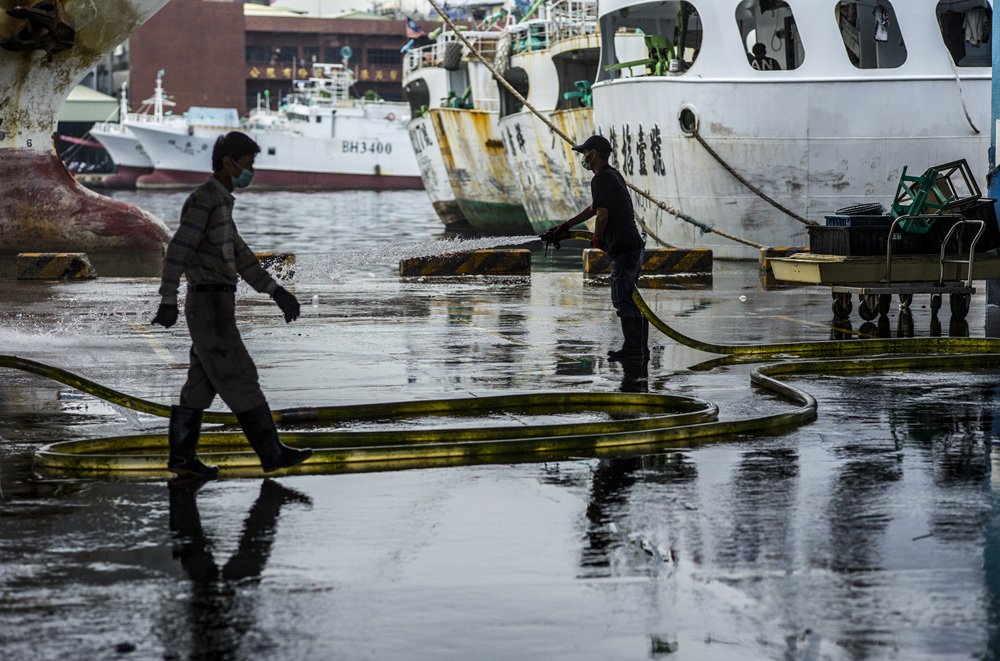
225 54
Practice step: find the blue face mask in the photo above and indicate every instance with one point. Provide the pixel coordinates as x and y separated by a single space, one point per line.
242 181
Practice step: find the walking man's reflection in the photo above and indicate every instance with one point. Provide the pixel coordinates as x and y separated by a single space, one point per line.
221 611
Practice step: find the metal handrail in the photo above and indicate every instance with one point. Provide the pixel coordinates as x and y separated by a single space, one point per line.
892 230
972 247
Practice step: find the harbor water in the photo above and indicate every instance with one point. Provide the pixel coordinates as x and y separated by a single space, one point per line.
873 532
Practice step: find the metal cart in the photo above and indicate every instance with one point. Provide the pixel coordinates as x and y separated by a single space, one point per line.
875 298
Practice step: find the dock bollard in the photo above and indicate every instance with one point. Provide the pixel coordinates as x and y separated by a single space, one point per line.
54 266
658 263
515 262
766 273
281 261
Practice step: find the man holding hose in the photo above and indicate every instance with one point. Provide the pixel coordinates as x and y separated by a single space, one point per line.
616 234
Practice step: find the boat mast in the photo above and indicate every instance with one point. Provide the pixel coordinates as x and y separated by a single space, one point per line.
158 96
123 104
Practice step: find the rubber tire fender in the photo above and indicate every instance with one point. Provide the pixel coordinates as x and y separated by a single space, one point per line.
452 59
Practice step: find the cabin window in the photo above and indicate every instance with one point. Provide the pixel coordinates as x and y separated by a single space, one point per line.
418 96
577 70
654 39
769 35
871 34
518 79
271 151
965 28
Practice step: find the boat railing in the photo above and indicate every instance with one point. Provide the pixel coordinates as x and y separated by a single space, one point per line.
433 54
562 20
110 127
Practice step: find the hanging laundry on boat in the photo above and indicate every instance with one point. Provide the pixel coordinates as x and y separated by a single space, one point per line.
881 23
977 26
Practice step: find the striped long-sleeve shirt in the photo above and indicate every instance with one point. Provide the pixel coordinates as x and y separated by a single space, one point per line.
207 249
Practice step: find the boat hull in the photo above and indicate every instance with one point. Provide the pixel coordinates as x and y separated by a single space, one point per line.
433 172
42 208
556 187
284 180
124 177
485 188
846 142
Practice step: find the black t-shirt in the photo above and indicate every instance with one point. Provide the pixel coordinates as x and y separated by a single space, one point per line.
609 191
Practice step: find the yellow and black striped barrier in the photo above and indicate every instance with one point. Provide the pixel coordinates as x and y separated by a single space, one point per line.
54 266
281 262
475 262
659 264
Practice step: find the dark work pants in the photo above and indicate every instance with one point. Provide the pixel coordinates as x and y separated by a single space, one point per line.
625 270
220 363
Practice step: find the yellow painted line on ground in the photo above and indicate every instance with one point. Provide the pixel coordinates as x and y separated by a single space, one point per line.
158 348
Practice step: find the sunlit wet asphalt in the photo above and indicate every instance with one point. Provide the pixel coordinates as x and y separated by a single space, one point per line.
871 533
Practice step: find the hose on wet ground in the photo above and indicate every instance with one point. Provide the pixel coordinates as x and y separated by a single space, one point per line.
663 206
634 422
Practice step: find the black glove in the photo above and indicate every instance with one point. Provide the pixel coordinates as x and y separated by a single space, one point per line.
287 302
166 315
555 233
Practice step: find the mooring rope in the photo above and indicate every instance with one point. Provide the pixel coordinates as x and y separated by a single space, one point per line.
740 178
705 228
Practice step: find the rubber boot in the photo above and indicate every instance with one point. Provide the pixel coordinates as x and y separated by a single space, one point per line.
645 337
185 428
632 348
258 427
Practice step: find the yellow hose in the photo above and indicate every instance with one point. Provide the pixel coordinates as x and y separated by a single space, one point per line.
640 421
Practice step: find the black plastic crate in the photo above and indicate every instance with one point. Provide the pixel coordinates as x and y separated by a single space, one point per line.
985 210
867 241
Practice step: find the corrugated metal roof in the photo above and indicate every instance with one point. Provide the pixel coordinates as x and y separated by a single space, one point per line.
88 105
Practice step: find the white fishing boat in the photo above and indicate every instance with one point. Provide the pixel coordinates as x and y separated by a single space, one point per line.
818 105
425 83
130 158
553 60
319 139
468 137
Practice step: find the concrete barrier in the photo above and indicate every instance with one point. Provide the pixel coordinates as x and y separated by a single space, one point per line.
54 266
475 262
282 262
657 262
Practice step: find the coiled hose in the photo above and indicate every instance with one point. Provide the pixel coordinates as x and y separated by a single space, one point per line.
639 421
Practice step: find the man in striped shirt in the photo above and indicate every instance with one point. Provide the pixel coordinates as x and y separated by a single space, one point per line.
208 250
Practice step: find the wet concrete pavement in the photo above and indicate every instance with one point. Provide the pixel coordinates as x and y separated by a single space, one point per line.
871 533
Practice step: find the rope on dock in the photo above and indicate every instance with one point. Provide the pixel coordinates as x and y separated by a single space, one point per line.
705 228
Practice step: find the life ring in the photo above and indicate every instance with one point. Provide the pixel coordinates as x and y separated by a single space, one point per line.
391 117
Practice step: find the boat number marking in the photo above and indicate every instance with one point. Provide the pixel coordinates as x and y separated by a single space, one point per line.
362 147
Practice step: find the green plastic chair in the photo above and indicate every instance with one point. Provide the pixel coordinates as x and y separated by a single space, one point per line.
919 196
660 53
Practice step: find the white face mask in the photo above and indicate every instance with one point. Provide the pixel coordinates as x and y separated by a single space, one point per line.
588 160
